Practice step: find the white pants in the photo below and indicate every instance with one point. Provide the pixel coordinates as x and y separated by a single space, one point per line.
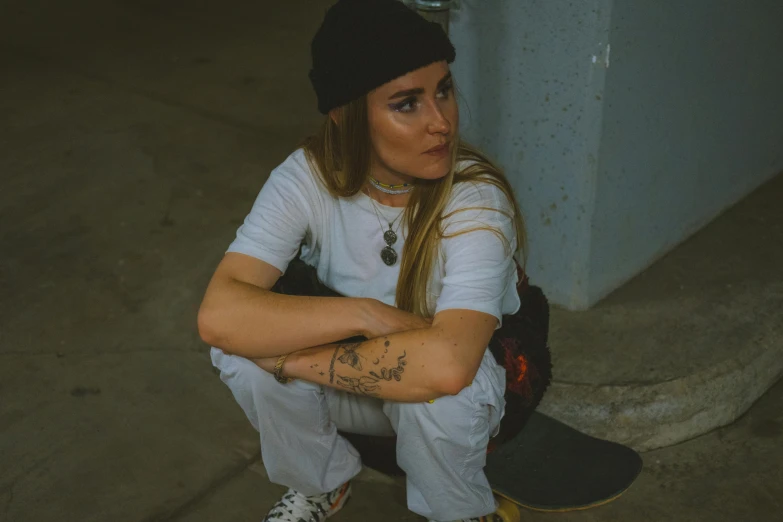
441 446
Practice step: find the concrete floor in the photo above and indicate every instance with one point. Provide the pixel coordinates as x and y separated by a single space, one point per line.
135 135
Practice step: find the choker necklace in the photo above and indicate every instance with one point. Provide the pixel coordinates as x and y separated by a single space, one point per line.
402 188
388 254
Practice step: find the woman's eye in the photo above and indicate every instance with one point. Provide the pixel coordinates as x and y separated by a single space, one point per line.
410 104
407 105
446 90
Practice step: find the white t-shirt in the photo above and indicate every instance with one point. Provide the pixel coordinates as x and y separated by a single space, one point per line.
343 239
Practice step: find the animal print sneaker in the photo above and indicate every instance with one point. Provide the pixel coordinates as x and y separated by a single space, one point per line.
295 507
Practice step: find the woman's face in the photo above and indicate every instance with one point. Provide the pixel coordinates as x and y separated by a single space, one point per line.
413 120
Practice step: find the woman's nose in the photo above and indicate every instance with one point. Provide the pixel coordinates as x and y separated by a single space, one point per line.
438 122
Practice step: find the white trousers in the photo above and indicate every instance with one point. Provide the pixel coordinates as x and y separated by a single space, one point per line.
441 446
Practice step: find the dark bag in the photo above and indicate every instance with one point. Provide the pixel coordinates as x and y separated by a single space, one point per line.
519 345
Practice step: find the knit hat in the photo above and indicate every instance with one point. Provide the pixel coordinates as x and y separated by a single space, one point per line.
363 44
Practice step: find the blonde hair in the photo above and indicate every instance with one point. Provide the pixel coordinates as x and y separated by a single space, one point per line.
340 152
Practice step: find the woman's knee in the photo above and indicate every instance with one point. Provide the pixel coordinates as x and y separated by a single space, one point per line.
256 389
458 418
240 373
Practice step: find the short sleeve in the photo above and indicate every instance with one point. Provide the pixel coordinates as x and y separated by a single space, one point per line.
281 215
479 265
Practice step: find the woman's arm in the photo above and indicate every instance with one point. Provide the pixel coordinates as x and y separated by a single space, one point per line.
413 366
240 315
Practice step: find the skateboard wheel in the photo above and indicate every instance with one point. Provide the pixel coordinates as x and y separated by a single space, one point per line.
507 510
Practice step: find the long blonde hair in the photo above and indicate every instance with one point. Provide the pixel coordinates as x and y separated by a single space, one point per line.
340 152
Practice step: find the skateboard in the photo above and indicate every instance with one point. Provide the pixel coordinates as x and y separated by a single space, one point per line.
548 466
551 467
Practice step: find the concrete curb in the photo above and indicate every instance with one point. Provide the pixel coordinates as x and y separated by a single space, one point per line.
653 415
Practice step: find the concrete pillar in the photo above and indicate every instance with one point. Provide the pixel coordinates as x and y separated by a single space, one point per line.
531 77
623 126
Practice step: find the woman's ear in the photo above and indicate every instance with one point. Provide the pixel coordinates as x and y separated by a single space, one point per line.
336 115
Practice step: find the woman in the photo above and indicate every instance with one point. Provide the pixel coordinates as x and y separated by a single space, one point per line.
391 209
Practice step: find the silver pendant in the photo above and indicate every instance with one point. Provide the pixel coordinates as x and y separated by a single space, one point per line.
389 256
390 237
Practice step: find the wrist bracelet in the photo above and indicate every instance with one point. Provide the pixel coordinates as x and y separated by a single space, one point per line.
278 373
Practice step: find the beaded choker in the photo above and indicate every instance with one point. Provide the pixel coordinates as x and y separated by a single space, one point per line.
402 188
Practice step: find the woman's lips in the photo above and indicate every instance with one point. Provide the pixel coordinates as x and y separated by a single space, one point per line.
440 150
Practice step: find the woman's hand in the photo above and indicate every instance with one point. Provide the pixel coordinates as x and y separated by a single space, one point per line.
382 319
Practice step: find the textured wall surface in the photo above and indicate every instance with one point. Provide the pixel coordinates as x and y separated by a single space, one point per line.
618 156
693 121
531 74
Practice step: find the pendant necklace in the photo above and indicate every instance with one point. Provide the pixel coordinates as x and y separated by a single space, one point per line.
388 254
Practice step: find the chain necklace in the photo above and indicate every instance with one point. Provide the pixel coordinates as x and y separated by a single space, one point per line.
388 254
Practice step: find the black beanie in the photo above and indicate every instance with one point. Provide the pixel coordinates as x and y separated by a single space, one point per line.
363 44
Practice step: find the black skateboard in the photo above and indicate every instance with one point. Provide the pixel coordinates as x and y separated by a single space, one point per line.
548 466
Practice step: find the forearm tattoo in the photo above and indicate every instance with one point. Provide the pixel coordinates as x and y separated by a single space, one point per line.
394 373
331 365
350 357
365 384
360 386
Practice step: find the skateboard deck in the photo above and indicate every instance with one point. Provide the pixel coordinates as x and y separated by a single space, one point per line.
548 466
